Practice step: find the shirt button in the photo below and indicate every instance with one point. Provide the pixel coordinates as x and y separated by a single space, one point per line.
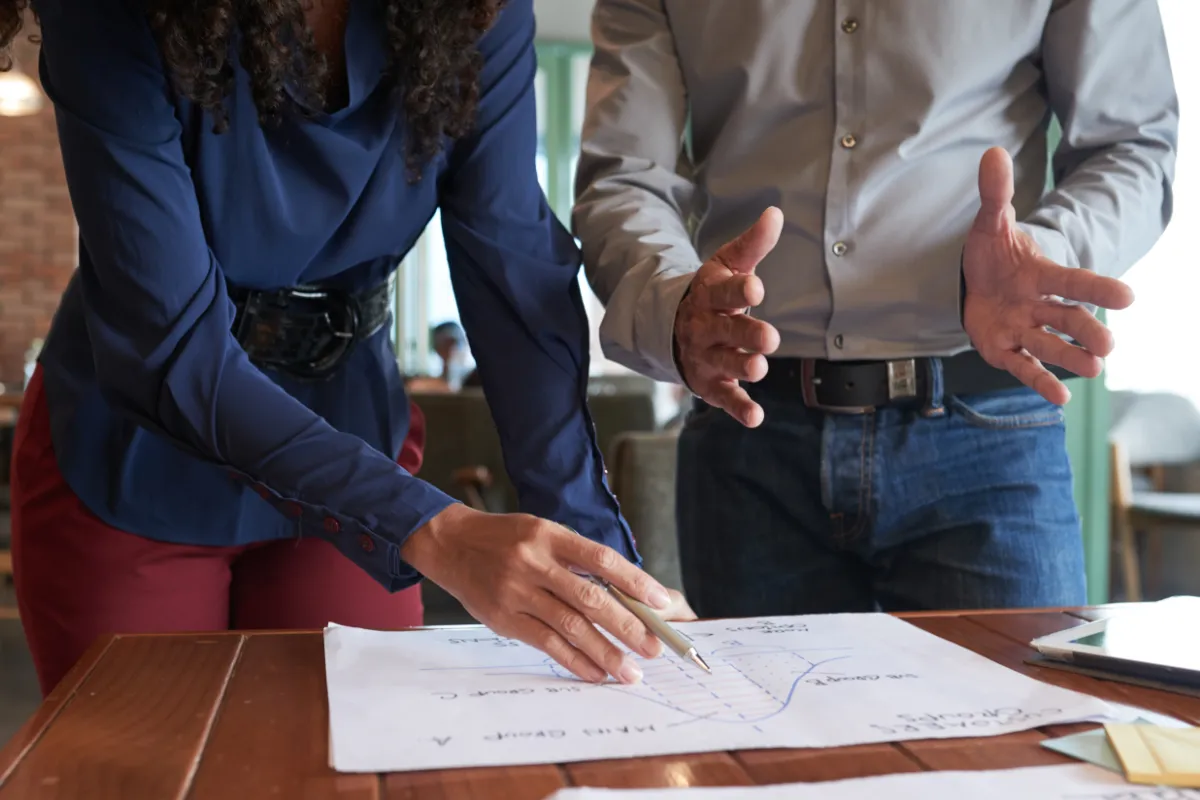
366 544
332 525
849 25
849 142
840 248
292 509
838 341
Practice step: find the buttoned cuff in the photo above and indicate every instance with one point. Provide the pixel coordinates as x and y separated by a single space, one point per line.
371 542
653 327
675 341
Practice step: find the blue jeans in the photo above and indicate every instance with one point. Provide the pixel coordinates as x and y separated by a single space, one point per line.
959 502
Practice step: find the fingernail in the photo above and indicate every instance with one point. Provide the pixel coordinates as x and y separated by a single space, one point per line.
652 647
629 672
658 597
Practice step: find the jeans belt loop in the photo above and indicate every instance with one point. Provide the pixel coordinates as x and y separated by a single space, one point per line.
936 406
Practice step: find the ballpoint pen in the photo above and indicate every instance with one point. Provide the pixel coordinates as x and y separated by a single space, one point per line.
669 636
665 633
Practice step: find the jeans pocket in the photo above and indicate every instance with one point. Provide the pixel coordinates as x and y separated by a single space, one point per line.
1010 408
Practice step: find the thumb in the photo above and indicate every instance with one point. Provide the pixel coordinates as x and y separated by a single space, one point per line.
743 254
995 192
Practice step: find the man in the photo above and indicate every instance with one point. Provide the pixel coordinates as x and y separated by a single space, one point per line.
449 344
850 449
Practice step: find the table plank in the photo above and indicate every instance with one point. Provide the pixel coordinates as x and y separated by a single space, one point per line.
825 764
1024 627
1020 628
488 783
271 738
135 727
1093 613
700 769
37 725
998 752
1008 651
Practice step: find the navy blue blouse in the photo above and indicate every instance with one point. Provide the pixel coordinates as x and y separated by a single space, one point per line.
161 424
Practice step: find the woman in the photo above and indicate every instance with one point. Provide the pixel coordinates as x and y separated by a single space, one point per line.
218 409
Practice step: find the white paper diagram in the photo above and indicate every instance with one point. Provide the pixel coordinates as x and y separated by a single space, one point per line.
466 697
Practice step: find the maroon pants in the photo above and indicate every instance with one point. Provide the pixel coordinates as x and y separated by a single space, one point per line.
78 579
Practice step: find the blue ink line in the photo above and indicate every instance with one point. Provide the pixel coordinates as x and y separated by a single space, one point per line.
785 703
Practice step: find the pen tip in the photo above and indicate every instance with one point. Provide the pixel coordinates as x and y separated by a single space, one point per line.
701 663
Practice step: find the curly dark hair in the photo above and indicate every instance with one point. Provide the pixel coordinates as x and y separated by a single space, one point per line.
433 61
12 15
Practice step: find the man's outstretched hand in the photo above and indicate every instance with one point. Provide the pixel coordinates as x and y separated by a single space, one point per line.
1014 293
718 343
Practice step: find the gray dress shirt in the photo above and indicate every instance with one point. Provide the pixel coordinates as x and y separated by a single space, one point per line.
864 121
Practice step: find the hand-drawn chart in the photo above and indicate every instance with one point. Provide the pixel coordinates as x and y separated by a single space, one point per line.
466 697
749 683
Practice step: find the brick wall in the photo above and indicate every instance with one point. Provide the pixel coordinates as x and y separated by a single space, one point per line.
37 228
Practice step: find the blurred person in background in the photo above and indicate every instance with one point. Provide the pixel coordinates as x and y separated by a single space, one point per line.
449 344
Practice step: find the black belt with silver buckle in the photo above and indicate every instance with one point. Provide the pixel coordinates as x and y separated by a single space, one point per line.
859 387
306 331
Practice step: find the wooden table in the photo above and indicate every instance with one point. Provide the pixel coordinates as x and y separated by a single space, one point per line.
244 715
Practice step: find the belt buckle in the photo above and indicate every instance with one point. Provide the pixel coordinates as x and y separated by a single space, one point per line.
902 379
808 390
265 322
343 330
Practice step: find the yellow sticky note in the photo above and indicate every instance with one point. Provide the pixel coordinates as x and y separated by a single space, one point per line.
1158 756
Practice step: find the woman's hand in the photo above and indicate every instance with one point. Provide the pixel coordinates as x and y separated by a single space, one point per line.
513 573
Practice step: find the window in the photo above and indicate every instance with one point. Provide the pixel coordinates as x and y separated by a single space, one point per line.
1154 336
423 294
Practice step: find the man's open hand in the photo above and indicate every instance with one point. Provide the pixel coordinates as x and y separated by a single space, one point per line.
718 343
1014 293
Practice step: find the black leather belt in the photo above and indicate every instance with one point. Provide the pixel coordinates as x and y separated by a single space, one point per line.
306 331
859 387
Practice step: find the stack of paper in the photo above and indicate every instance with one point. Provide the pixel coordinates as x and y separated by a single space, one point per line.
1158 756
1077 782
1093 747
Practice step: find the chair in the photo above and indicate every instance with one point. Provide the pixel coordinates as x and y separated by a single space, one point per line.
7 609
622 383
463 456
464 459
1150 432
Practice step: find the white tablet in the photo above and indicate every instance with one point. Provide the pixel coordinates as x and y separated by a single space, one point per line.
1159 641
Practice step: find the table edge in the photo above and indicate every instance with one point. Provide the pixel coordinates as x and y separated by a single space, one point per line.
29 734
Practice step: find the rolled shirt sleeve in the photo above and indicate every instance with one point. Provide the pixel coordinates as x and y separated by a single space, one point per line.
1110 84
632 192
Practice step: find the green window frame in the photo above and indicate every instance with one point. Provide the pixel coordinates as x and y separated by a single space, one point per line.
421 284
1087 419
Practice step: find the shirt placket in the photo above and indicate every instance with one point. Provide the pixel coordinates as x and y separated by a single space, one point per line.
839 233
